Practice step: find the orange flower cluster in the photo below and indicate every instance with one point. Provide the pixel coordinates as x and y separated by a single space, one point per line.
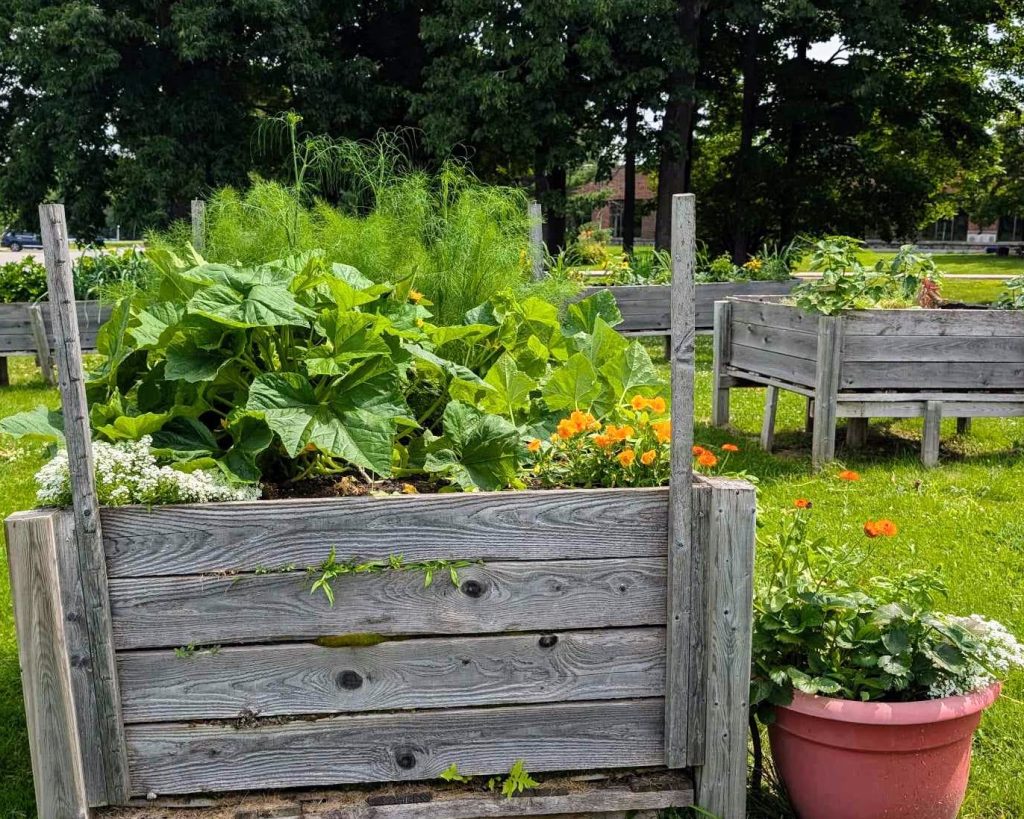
640 403
534 445
880 528
649 457
848 475
612 434
576 423
802 503
626 457
415 296
730 448
662 431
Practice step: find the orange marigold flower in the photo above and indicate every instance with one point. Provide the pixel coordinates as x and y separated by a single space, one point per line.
603 441
848 475
583 420
416 296
698 450
566 428
730 448
648 457
707 459
802 503
657 404
639 402
886 528
871 528
619 433
534 445
626 457
663 431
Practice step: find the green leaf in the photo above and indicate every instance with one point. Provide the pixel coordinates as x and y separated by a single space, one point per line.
582 316
262 306
153 324
629 370
288 403
251 437
133 427
41 424
477 450
511 391
184 439
573 386
187 362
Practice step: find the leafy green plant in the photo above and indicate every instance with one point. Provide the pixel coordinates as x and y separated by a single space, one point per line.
22 281
516 781
719 269
327 572
846 284
1012 297
451 774
96 276
821 629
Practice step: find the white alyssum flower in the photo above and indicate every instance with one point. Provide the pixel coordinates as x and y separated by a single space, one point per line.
128 473
1001 652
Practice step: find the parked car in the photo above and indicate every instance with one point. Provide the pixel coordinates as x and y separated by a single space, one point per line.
16 240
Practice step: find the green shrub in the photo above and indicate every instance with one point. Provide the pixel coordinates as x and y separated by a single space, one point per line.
22 280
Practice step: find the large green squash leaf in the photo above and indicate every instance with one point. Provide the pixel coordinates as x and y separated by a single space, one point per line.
41 424
511 388
477 451
573 386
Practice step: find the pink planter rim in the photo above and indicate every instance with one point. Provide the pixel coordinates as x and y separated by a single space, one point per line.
894 713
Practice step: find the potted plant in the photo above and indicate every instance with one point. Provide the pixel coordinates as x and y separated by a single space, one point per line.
871 695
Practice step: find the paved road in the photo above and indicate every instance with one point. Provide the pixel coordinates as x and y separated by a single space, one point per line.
10 256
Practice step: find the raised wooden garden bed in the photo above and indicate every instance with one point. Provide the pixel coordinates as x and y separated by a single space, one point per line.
870 363
174 653
23 326
645 308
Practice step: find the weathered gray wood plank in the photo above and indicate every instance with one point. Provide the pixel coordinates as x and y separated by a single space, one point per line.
559 796
564 666
856 433
39 620
199 224
722 779
496 597
826 386
536 241
935 322
924 375
85 505
550 524
42 345
940 349
796 343
771 404
896 408
681 674
181 758
767 312
16 334
784 367
930 437
722 350
963 426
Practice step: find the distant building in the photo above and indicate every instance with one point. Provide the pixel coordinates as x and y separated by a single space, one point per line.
610 215
964 233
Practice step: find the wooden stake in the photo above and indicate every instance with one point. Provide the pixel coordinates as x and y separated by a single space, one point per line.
35 317
536 241
681 674
720 381
199 224
88 539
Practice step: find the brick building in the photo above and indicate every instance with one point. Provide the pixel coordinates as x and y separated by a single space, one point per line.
610 215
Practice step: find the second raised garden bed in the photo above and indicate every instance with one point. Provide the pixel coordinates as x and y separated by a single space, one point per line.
870 363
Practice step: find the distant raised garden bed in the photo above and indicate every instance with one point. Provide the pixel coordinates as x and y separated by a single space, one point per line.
870 363
645 308
24 324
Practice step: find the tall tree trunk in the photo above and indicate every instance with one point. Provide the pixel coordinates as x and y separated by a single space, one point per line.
745 155
678 120
794 148
550 190
629 180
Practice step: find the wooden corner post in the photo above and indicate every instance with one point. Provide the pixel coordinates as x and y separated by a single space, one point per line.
826 390
725 541
199 224
81 560
720 381
536 241
682 677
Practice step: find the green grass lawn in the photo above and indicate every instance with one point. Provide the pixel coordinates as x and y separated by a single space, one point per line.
966 516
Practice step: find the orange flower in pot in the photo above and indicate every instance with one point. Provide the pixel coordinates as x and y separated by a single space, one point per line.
871 695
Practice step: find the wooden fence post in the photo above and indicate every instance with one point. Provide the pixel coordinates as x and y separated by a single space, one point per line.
683 678
722 778
99 712
536 241
35 317
720 381
826 389
199 224
931 433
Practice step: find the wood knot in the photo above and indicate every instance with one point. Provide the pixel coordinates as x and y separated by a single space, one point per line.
405 759
472 588
547 640
350 680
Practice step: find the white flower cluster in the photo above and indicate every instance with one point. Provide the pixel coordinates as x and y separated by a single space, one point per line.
128 473
1001 653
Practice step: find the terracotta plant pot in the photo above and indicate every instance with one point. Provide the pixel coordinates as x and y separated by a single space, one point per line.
842 759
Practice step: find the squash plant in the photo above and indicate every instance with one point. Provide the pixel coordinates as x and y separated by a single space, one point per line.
300 367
